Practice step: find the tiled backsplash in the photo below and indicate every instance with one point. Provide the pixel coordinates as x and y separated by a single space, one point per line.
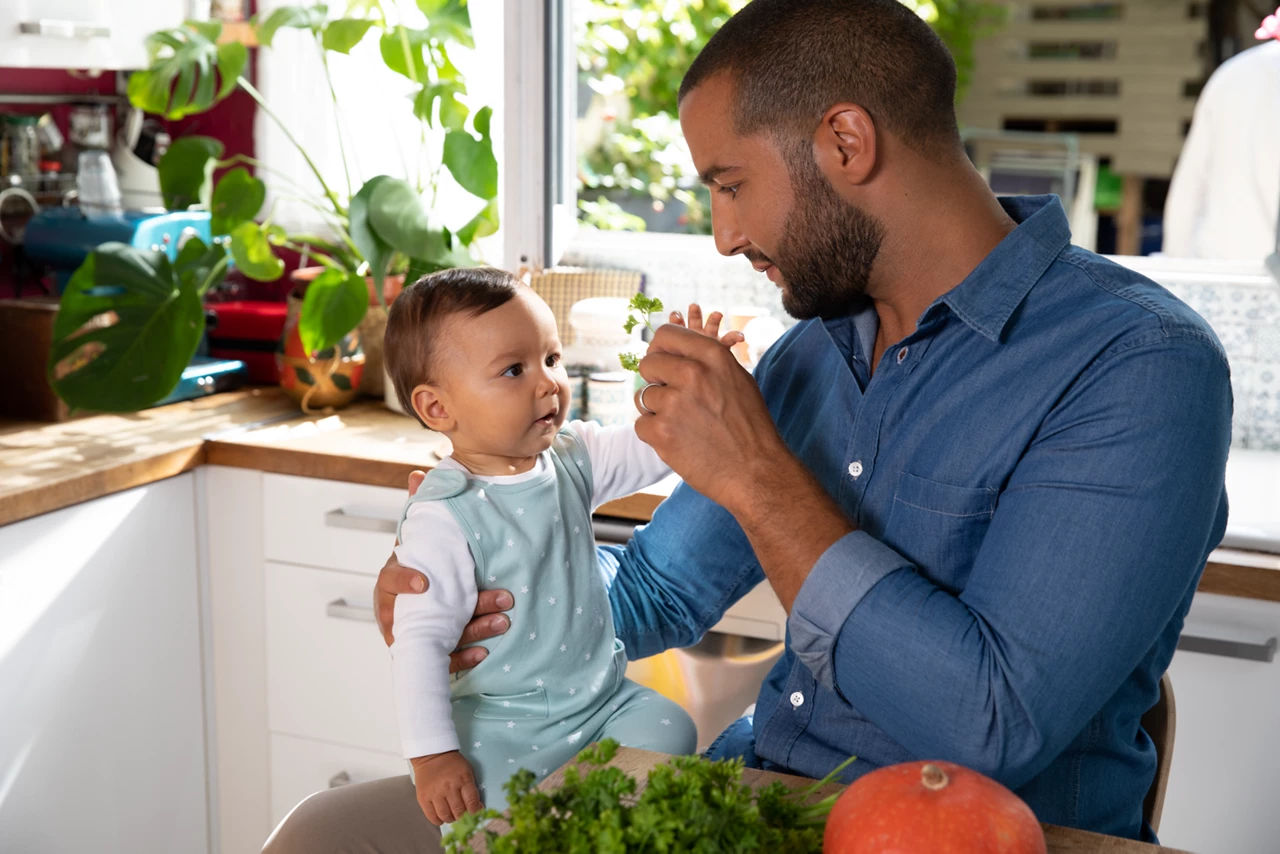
1241 301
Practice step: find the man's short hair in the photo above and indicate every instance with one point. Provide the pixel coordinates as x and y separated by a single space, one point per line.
417 315
792 59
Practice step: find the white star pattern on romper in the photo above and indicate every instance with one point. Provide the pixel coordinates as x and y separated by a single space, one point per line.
533 635
544 772
511 544
577 530
577 610
506 668
535 747
572 691
477 745
511 724
519 511
510 761
493 578
588 656
665 721
551 600
524 588
563 647
506 702
538 683
557 518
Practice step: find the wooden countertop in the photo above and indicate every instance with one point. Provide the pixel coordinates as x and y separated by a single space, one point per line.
45 467
1058 840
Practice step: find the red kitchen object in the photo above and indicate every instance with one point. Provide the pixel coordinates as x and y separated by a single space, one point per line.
250 331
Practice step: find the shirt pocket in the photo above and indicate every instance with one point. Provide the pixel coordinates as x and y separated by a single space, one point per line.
939 526
526 705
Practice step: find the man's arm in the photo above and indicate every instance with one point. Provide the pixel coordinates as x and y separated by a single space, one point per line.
711 425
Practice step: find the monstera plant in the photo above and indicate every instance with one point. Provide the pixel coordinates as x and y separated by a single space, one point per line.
131 319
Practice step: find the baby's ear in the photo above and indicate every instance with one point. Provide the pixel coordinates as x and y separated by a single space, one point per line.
431 406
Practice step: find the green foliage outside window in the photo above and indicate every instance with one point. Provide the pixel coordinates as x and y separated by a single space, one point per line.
633 53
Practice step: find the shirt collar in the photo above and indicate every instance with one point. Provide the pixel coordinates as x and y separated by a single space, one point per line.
987 297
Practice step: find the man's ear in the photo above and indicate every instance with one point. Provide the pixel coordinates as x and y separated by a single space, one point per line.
844 145
431 405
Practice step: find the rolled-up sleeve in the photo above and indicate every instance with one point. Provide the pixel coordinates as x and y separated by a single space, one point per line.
836 584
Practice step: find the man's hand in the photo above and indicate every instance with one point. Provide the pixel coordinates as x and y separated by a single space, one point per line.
446 786
709 422
487 620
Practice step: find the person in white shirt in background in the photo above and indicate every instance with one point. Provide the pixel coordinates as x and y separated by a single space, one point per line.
1224 198
475 355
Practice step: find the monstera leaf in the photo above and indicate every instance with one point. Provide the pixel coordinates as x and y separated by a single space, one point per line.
335 303
129 322
189 70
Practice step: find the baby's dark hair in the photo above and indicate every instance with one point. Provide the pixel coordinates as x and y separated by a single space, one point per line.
415 317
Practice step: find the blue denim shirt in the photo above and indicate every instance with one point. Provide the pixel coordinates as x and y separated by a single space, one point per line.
1036 475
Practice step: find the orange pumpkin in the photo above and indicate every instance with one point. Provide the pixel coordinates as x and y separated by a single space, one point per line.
930 806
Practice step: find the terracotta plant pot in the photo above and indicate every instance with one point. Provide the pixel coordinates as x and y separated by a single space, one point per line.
370 330
331 378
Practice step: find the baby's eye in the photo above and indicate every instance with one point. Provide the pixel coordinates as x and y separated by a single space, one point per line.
514 371
553 359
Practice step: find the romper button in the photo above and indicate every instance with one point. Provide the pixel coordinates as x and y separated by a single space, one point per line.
797 699
902 355
855 469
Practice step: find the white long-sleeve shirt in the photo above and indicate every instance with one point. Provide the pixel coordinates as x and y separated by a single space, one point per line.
1224 198
427 626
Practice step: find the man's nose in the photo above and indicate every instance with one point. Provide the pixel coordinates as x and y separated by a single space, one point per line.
724 227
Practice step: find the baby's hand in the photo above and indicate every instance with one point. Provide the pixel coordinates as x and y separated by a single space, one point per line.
446 786
709 328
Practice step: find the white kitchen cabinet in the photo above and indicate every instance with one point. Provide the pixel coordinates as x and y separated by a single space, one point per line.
102 725
302 678
1226 753
95 34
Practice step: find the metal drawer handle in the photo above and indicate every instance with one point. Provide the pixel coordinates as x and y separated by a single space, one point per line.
342 518
344 610
1265 651
342 778
60 29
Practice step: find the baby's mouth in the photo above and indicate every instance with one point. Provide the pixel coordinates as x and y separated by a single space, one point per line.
549 418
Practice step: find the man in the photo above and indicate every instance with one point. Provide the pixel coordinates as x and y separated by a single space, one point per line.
982 474
1224 198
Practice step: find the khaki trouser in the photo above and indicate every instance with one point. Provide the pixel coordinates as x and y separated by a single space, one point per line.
379 817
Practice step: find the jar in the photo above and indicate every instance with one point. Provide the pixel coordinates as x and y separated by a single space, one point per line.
20 149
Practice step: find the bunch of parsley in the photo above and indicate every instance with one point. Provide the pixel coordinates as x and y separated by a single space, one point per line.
690 804
638 311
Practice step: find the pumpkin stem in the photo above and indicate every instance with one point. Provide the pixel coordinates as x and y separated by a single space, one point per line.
933 777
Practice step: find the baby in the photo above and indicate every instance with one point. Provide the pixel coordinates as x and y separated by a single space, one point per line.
475 355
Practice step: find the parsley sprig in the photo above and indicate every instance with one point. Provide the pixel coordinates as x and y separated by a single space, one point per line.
690 804
638 311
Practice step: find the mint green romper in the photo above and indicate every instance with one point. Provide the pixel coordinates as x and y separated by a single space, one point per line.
554 682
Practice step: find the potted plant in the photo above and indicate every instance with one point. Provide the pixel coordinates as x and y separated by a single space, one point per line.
131 320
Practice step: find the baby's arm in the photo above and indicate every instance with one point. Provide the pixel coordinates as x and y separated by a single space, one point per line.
426 628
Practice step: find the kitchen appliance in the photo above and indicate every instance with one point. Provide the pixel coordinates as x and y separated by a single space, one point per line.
62 237
138 146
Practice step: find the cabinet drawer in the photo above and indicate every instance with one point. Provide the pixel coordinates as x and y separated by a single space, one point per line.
300 766
328 671
328 523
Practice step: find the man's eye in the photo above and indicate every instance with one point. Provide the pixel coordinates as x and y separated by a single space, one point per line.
553 359
731 189
514 371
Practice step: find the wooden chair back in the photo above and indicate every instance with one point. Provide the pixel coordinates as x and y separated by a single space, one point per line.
1159 724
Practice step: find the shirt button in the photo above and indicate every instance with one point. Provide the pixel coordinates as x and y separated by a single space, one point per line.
797 699
902 355
855 469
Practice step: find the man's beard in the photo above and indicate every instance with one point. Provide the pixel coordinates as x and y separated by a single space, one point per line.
827 249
